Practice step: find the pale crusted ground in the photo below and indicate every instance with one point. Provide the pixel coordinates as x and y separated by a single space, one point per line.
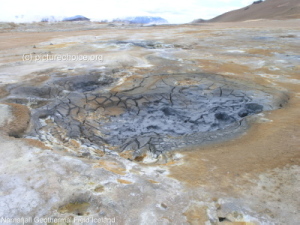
253 179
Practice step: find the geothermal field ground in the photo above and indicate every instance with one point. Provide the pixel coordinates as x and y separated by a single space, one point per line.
172 124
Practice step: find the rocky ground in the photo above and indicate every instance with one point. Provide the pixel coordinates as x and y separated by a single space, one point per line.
177 124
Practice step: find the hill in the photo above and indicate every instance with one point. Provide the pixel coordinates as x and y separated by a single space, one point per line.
269 9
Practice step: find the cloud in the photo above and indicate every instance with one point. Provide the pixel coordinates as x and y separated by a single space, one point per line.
173 11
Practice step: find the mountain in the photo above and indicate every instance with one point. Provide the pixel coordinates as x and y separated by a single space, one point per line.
142 20
268 9
76 18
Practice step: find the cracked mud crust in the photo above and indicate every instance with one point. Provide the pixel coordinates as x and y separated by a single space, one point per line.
154 113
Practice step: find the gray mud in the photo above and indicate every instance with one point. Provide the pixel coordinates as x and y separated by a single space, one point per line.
157 113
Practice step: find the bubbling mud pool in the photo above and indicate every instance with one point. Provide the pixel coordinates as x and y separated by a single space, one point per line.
155 113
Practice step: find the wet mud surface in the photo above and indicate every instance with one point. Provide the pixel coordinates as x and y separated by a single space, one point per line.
154 113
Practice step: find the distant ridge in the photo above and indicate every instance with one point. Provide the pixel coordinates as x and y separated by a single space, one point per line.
268 9
76 18
72 18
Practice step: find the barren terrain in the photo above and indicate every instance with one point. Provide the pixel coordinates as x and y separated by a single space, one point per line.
177 124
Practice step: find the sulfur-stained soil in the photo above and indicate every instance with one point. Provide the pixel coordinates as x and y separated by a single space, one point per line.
177 124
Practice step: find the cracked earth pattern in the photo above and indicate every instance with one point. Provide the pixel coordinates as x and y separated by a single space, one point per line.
155 113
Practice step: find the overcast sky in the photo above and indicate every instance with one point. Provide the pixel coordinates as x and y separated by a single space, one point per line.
174 11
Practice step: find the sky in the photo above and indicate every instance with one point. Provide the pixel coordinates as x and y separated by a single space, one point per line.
174 11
